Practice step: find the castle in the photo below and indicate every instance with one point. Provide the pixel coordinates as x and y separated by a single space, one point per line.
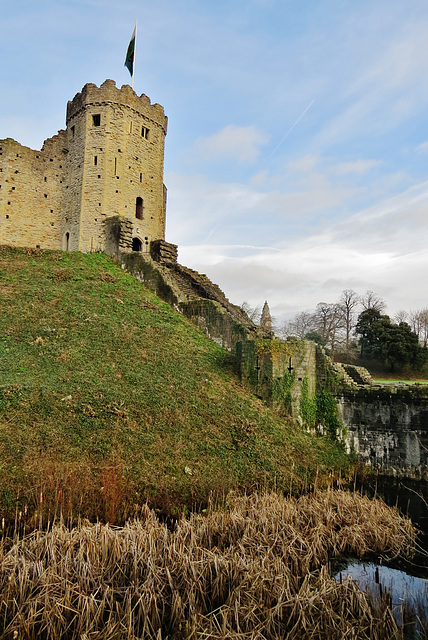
95 186
98 186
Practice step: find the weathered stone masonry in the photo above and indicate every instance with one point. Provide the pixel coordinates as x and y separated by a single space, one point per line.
107 163
387 427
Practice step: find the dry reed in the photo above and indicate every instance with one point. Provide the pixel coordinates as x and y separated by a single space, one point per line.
255 569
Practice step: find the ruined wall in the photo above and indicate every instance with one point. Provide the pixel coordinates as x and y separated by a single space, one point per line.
275 369
388 428
194 295
31 188
108 163
304 363
117 236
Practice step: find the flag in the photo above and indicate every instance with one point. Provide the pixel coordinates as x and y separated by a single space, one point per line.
129 60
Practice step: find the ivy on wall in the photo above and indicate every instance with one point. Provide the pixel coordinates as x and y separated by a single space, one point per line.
320 411
327 377
308 405
283 378
327 414
285 348
281 391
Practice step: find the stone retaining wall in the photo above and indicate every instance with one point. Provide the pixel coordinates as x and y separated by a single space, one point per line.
387 427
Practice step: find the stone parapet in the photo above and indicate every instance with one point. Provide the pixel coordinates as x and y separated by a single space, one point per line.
91 95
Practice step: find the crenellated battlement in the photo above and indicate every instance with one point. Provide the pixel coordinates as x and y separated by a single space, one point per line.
125 97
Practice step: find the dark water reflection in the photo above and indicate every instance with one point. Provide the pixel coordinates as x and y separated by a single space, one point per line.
408 594
405 581
411 497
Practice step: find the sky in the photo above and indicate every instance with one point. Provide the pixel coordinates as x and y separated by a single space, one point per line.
297 145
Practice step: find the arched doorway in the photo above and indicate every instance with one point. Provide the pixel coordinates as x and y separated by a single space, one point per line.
139 208
136 244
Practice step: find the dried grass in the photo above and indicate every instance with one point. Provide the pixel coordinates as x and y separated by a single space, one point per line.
255 569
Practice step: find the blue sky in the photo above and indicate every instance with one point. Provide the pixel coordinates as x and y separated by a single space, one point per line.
297 147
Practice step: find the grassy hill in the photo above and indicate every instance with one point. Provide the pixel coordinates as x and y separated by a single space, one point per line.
109 398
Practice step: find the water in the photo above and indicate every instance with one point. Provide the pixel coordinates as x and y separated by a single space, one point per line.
405 581
409 594
411 498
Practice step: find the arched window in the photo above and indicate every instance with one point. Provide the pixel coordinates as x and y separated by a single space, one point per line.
136 244
67 241
139 208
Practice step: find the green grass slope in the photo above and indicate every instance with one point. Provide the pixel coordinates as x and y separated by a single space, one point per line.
109 398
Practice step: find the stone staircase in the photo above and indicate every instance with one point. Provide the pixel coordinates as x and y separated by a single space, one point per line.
347 380
360 375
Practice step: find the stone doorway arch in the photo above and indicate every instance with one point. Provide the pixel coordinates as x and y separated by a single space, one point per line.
137 245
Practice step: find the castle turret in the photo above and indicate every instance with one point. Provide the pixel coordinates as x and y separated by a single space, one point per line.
115 166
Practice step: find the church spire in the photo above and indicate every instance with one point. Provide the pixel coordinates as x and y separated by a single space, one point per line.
266 319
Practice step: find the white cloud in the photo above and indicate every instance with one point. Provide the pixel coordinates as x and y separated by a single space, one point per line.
381 248
199 209
236 143
304 164
357 166
423 147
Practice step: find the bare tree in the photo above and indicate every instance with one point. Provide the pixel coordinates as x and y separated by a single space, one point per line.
401 316
348 302
418 321
252 312
370 300
329 321
301 324
423 336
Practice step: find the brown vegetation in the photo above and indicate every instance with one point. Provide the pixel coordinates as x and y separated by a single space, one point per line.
257 567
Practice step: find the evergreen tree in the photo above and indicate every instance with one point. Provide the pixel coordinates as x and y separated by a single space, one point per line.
390 344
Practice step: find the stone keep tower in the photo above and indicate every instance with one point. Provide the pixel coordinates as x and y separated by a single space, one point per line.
115 143
107 167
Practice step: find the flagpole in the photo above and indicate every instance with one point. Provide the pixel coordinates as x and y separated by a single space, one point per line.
135 51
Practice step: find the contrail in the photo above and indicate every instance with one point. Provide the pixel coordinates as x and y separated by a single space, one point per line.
290 130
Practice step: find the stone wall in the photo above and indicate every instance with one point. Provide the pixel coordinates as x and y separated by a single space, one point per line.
31 187
305 371
193 294
117 236
274 369
108 163
285 367
164 252
387 427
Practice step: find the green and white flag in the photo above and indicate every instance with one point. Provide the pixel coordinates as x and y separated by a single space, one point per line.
129 60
